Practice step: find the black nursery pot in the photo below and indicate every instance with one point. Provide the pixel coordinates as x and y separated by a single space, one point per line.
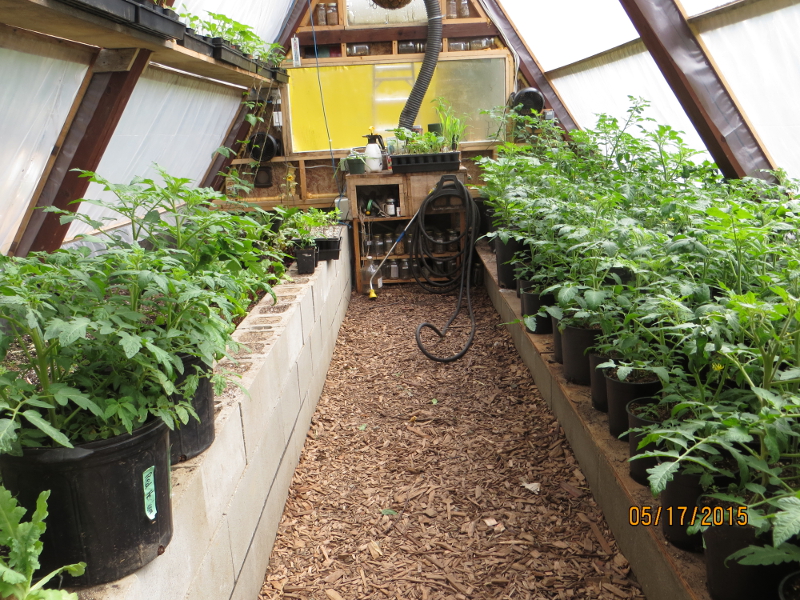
734 581
109 502
598 383
306 260
558 355
505 269
575 341
638 467
328 248
682 491
195 437
619 393
531 303
789 588
522 285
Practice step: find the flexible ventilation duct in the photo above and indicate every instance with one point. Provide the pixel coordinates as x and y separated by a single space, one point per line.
411 110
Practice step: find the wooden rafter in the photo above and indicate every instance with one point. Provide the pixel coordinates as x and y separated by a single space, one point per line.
698 86
95 121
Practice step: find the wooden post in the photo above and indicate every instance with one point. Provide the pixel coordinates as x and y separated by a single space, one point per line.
699 88
94 124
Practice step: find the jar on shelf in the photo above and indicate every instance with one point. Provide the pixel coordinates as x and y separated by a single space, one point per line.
394 270
385 270
477 44
406 47
457 46
321 14
452 9
332 14
463 9
400 248
357 49
405 269
367 271
439 246
368 251
388 240
377 245
452 238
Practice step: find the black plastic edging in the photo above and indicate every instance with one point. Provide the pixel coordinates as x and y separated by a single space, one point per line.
664 572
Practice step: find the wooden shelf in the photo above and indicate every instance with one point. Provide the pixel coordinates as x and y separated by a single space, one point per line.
64 21
402 256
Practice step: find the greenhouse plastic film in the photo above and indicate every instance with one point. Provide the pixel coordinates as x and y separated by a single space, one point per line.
171 120
40 83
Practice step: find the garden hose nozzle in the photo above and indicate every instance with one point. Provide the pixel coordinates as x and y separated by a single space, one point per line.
372 294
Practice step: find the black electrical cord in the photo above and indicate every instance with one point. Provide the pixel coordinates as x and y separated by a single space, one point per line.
430 273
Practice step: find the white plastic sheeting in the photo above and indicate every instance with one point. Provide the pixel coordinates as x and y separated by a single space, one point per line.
695 7
561 33
266 17
603 85
171 120
756 49
40 81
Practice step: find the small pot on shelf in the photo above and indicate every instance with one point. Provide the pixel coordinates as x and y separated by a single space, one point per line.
619 393
597 381
575 342
638 468
558 355
306 260
531 302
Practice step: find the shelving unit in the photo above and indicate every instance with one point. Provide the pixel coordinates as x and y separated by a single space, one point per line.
411 189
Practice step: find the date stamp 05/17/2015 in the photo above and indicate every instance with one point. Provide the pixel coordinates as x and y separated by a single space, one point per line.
687 515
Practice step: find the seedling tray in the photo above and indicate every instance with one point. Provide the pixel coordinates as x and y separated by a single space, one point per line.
159 21
197 43
121 11
420 163
226 53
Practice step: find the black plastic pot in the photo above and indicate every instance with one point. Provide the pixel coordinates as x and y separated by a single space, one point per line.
421 163
109 502
619 393
505 269
522 284
638 468
732 580
356 166
328 248
558 355
195 436
159 21
575 341
225 52
121 11
789 589
681 491
531 303
197 43
306 260
597 381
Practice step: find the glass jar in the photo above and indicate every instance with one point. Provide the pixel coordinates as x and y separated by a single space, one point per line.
367 271
406 48
452 9
368 246
457 46
385 270
439 246
332 14
320 14
452 237
405 269
357 49
388 241
377 245
394 270
400 248
477 44
463 9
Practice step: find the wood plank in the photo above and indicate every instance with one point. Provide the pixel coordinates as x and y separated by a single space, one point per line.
94 124
450 29
699 88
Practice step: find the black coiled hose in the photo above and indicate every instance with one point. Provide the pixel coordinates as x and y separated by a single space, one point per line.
442 281
411 109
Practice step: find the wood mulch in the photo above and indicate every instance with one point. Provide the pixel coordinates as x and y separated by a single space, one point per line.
430 481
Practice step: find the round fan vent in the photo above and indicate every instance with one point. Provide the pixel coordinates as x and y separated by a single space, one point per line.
263 147
392 4
530 98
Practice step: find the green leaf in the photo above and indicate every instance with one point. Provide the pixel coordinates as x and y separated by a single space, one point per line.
566 294
9 575
362 427
660 475
787 520
130 344
388 511
594 299
766 555
36 419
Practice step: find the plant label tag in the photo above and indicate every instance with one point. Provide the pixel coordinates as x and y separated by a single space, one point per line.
149 480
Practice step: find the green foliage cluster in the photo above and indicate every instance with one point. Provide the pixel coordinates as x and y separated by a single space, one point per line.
453 129
238 34
95 343
18 565
692 278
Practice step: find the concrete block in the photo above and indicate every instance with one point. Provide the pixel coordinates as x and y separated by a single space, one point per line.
293 335
223 464
306 303
215 578
289 406
307 370
317 356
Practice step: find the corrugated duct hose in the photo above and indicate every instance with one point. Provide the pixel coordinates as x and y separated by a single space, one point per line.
432 273
411 109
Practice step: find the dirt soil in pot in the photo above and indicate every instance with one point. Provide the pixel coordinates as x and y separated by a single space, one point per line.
421 480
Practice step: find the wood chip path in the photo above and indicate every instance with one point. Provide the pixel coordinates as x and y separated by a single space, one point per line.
426 481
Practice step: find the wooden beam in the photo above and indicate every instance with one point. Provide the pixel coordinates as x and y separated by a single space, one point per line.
698 86
388 34
292 22
94 124
528 65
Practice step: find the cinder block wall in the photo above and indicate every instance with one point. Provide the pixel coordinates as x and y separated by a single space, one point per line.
227 502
